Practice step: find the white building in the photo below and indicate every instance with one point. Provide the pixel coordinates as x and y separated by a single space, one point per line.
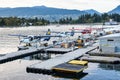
110 43
111 22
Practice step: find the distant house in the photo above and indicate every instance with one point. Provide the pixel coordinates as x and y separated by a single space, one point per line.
111 22
110 43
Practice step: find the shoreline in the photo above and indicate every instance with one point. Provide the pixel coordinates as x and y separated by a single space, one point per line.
50 25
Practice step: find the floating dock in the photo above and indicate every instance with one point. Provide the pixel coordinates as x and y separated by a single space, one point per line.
74 66
23 53
104 54
68 68
101 59
47 66
59 50
20 54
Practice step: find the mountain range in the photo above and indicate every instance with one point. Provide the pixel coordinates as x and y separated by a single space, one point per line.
48 12
37 10
116 10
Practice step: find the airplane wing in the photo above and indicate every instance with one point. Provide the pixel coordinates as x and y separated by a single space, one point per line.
46 36
76 31
18 35
55 32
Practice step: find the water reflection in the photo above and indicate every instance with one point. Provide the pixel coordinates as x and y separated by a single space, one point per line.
41 56
70 76
57 76
110 66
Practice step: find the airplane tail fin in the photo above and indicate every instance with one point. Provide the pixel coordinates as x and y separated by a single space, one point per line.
47 33
72 31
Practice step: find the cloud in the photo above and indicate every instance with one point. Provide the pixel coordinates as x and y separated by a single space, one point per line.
19 3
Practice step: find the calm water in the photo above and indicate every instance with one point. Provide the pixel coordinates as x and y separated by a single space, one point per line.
16 70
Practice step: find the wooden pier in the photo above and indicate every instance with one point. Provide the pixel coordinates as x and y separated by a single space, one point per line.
47 66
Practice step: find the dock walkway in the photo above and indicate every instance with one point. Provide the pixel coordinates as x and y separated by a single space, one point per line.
101 59
32 50
49 64
19 54
59 50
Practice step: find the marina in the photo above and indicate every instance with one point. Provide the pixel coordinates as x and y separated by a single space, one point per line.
60 40
66 55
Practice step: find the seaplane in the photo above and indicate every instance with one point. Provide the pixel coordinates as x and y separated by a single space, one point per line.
65 34
33 39
104 30
89 34
112 30
83 31
90 31
66 37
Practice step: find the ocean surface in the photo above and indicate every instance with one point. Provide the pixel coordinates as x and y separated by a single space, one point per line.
16 70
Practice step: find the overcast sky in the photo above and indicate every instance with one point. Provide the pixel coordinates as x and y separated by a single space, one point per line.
99 5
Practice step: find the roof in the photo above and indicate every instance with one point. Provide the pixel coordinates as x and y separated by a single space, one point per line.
111 36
